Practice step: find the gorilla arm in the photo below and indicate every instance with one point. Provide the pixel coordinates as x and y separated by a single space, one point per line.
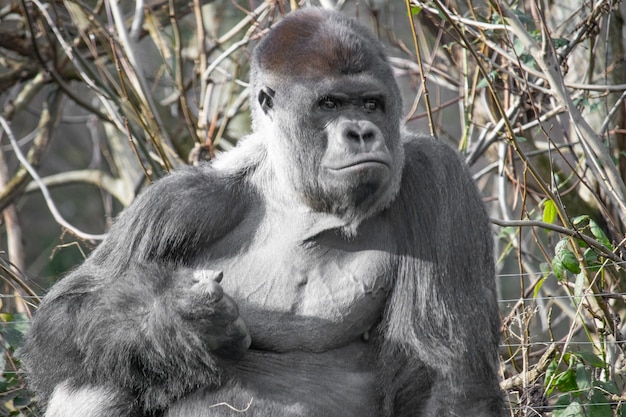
133 313
441 328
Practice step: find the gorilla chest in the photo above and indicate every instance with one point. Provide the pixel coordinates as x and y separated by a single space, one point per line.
319 294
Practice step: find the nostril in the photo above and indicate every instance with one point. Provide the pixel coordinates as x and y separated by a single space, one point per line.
353 135
359 133
368 135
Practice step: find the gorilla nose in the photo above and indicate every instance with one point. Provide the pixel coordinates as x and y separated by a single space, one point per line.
361 134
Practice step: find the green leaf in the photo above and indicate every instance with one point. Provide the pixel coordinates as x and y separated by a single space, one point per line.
13 328
3 362
579 286
583 378
528 60
564 259
577 221
518 46
581 101
558 269
550 371
564 407
570 262
606 386
523 17
598 233
415 10
599 405
566 381
591 258
538 287
508 232
559 42
549 212
21 401
496 19
590 359
485 81
545 269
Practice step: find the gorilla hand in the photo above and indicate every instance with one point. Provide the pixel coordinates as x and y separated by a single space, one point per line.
213 314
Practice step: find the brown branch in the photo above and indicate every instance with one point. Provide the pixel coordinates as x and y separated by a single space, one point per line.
560 229
47 122
530 376
113 186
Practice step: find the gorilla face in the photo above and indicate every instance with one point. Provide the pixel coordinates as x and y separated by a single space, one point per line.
333 113
358 166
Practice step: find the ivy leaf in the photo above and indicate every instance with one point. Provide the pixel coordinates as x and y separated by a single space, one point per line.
607 386
598 233
485 81
590 359
550 370
558 269
559 42
549 212
573 409
579 286
523 17
538 287
578 220
599 405
570 262
566 381
583 378
564 259
591 259
590 256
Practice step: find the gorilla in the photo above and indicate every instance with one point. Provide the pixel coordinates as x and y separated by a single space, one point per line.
332 264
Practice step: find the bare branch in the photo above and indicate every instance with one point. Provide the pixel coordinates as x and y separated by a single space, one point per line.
44 190
95 177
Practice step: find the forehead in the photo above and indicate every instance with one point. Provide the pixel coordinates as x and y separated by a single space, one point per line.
316 43
361 84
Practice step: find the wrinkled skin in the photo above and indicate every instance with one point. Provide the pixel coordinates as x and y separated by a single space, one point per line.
333 264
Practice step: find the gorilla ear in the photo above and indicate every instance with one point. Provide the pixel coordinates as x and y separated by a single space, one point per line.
266 99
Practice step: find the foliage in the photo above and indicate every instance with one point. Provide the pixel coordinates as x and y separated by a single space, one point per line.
15 400
583 393
102 98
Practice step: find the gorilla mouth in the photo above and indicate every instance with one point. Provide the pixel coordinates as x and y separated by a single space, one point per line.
361 164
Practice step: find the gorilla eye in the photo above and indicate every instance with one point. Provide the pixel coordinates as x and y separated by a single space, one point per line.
329 103
372 104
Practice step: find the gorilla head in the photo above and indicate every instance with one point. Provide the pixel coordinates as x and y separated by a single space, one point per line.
322 86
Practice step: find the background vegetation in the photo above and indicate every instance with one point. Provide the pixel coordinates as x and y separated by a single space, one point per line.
100 98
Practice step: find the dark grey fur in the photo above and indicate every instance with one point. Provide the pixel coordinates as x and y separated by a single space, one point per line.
366 290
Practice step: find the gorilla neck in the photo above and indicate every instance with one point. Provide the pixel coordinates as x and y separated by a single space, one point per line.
280 195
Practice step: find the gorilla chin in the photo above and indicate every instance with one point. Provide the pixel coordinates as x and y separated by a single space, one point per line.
355 175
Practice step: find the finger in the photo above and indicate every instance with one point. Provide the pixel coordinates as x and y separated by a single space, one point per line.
207 291
234 343
225 312
208 275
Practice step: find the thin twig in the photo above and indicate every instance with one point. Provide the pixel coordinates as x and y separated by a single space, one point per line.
44 190
560 229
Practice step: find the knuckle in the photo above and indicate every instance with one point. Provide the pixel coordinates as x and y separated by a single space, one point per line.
210 290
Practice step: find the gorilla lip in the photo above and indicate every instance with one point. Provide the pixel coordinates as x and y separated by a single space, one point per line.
361 163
